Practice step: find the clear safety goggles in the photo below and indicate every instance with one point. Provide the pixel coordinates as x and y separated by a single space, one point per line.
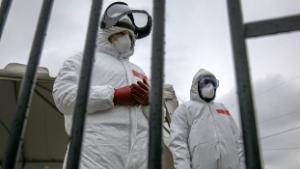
141 21
204 80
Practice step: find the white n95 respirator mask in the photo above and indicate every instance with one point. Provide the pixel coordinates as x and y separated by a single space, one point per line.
208 91
122 44
207 86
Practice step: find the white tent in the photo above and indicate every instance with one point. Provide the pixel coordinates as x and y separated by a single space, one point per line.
45 140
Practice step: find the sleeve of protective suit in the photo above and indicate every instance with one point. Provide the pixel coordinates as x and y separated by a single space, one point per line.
65 90
240 144
170 98
180 129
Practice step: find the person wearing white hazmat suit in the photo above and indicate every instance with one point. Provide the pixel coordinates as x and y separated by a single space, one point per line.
203 133
116 129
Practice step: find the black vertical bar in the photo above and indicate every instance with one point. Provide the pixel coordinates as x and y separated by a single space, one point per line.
5 6
157 79
247 111
28 83
83 88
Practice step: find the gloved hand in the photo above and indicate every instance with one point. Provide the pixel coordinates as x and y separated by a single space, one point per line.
141 92
124 96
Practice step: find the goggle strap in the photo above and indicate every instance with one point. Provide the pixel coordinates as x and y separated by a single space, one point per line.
125 25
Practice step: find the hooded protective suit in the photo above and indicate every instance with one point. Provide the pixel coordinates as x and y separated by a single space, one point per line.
115 136
204 135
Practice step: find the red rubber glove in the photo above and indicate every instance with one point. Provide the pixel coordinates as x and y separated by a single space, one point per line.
123 96
141 92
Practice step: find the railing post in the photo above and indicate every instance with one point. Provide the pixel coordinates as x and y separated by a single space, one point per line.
28 83
73 160
157 79
242 73
5 6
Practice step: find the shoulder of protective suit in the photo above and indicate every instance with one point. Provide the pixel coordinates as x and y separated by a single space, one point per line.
75 57
194 102
189 103
136 67
219 105
71 63
182 109
186 110
193 106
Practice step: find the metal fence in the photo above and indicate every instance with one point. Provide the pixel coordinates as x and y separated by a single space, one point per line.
239 32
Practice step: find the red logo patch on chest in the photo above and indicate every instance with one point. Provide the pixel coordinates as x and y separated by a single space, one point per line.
222 111
139 75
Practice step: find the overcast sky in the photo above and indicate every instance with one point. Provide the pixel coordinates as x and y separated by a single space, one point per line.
197 36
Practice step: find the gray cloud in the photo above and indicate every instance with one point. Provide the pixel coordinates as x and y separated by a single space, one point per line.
277 110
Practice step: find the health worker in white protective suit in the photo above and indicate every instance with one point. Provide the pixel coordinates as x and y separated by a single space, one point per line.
116 129
203 133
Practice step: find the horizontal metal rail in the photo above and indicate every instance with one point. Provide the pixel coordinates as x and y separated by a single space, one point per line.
28 83
73 160
272 26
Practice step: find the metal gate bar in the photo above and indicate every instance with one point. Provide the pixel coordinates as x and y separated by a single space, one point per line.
83 87
247 112
28 83
5 6
157 79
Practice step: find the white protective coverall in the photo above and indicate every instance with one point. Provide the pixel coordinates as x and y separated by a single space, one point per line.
115 136
204 135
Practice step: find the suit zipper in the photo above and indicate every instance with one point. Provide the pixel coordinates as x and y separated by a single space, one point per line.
216 133
131 115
